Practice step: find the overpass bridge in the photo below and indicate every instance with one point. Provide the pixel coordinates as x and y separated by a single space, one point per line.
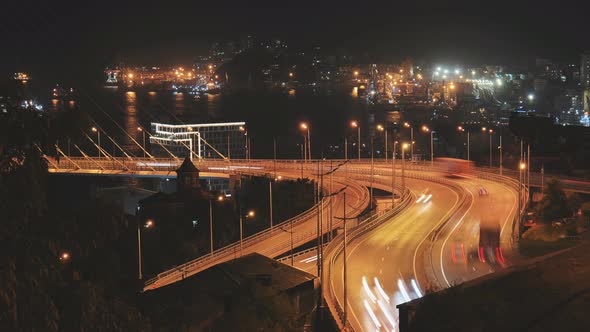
165 168
426 234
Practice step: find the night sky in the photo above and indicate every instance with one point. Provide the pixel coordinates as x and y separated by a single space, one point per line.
54 37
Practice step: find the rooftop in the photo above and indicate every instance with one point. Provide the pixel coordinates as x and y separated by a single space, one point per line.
550 293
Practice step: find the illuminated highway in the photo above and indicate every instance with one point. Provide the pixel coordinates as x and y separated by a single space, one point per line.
461 255
434 242
386 255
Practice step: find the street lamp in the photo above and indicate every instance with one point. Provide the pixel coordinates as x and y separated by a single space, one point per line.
278 178
426 130
521 168
408 125
219 199
393 175
148 224
65 256
404 148
250 214
97 131
461 129
382 129
243 129
355 124
491 131
306 139
143 134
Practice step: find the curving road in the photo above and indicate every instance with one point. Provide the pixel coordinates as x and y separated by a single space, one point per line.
386 256
433 243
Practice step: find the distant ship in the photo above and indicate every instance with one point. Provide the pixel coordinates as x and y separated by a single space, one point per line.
112 78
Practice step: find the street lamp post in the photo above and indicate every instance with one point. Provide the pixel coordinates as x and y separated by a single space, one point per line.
270 201
372 172
528 170
344 258
432 148
404 147
306 140
521 168
355 124
219 199
393 176
462 129
143 134
249 215
148 224
381 128
97 131
491 157
302 161
500 152
426 130
345 148
408 125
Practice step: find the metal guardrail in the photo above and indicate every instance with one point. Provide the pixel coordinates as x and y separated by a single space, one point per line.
125 165
300 253
335 247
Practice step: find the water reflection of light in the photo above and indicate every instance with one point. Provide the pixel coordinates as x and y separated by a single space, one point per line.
179 103
152 93
291 92
355 92
131 122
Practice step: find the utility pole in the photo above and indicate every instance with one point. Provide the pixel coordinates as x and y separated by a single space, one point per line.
501 153
319 258
412 143
275 157
139 245
344 259
393 177
528 169
468 147
301 162
304 147
386 145
228 148
359 142
241 235
432 148
542 179
308 143
345 148
403 168
211 224
372 172
292 257
491 133
270 200
331 216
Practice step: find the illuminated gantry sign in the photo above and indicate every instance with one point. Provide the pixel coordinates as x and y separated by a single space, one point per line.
205 140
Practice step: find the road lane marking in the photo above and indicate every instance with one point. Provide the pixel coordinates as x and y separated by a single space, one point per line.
451 210
451 233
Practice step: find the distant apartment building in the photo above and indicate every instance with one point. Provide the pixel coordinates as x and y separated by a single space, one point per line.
585 70
585 79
